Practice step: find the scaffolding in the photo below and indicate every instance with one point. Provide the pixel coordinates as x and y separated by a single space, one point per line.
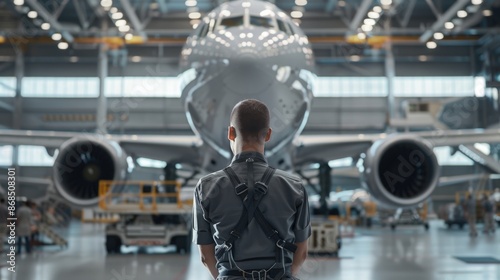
154 197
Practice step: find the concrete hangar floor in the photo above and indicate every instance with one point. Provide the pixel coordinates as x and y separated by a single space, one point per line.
409 253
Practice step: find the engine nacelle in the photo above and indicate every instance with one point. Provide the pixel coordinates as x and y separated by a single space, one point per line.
82 163
401 170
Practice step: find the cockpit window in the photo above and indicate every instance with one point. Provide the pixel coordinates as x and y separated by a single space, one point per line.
262 21
204 30
282 26
230 22
291 29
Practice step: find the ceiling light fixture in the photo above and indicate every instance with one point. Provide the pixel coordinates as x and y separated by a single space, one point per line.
191 3
477 2
369 21
124 28
62 45
361 36
300 2
129 36
56 36
117 15
386 2
45 26
431 45
377 9
449 25
461 14
296 14
121 22
106 3
366 28
487 13
438 36
373 15
355 58
32 14
194 15
18 2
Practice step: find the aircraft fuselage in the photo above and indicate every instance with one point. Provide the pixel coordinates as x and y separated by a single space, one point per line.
247 50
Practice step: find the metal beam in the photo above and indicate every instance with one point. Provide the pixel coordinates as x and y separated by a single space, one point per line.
390 72
408 13
476 17
6 106
360 15
58 11
98 10
447 16
50 19
330 6
162 5
433 8
144 9
18 99
102 107
80 12
134 20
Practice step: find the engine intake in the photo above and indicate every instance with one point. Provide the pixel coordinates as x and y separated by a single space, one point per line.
401 170
82 163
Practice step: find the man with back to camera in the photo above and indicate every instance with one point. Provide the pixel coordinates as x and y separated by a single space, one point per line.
251 221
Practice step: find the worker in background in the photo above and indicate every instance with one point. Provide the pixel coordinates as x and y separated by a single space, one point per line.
251 221
470 213
37 219
23 229
495 197
4 212
488 210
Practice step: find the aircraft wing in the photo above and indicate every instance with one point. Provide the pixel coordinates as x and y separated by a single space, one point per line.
167 148
48 139
156 147
311 148
317 148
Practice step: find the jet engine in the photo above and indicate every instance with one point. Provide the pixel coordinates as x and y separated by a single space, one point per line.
82 163
401 170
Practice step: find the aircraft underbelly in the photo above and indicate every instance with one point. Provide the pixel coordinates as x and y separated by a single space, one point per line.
209 107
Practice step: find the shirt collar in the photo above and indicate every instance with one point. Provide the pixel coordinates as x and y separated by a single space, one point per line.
243 156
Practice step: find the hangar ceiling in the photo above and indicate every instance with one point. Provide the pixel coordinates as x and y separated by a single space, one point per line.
157 30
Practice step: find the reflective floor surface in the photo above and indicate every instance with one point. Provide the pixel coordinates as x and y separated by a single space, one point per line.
409 253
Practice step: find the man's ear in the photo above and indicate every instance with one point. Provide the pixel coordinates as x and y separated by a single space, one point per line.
231 133
268 135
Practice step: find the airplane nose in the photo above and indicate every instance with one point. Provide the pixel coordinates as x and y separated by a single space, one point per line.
247 77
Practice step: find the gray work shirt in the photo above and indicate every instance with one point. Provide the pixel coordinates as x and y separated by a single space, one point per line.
217 210
24 221
470 205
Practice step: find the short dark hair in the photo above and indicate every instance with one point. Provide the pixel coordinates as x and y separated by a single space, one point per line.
251 118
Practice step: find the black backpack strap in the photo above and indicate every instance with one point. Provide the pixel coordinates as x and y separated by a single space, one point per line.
241 190
268 174
251 195
235 180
